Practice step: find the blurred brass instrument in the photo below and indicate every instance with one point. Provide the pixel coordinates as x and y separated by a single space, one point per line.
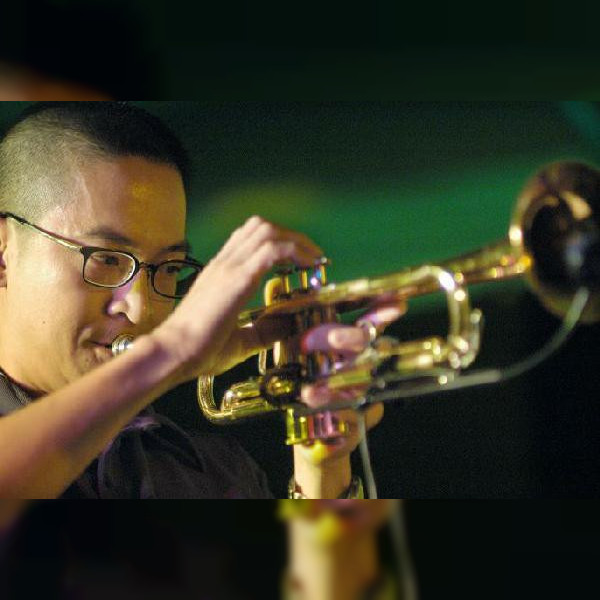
553 240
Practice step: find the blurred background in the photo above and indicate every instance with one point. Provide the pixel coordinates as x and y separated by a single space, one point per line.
126 49
238 551
381 186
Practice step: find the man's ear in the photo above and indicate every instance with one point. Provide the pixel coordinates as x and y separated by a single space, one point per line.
3 242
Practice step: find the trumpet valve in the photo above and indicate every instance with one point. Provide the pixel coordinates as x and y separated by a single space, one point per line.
279 285
303 429
315 277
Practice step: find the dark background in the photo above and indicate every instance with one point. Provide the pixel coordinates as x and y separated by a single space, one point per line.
259 50
237 551
384 185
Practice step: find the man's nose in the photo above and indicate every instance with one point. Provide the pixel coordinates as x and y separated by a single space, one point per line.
134 299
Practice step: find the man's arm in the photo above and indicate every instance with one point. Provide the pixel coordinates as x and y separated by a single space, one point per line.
48 444
322 470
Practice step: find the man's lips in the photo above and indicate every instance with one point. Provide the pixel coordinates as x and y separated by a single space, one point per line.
107 339
102 344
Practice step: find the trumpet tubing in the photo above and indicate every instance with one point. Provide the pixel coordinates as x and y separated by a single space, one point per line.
553 240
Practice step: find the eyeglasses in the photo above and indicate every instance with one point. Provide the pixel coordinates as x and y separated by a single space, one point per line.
107 268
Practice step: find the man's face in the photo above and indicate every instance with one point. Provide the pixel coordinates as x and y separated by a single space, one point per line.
54 327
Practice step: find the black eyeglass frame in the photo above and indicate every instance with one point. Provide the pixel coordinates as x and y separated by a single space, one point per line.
87 251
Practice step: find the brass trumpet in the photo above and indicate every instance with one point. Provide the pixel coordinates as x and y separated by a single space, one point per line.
553 240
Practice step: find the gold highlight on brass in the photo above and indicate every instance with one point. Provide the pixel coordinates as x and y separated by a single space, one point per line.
553 240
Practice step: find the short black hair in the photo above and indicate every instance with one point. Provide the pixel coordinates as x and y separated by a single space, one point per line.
116 128
46 137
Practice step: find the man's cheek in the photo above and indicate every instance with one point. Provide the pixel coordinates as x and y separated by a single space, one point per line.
161 312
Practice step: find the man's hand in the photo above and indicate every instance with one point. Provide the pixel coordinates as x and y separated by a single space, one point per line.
202 335
322 469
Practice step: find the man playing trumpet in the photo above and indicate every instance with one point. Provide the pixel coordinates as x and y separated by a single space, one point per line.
92 246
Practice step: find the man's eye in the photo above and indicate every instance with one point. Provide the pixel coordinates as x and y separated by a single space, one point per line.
173 269
108 260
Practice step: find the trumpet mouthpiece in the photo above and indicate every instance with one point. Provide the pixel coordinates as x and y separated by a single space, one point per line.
121 343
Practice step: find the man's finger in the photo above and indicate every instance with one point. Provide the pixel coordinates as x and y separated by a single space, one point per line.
381 316
348 339
332 337
319 394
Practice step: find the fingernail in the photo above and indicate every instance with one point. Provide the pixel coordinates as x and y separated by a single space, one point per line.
390 313
347 339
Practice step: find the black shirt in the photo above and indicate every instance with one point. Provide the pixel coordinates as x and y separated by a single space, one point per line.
152 457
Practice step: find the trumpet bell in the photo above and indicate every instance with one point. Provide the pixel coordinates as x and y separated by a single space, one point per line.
553 240
556 222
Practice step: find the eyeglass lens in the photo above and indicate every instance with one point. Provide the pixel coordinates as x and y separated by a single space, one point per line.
110 268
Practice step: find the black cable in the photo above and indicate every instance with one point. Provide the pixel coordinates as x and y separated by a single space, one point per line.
491 376
482 377
407 579
405 569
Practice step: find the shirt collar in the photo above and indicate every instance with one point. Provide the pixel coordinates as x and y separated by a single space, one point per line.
12 397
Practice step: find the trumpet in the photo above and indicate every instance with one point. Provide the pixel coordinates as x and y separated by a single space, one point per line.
553 241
